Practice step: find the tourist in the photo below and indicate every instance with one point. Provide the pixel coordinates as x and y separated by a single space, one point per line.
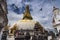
27 37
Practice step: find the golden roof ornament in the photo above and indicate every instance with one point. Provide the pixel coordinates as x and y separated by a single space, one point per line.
27 14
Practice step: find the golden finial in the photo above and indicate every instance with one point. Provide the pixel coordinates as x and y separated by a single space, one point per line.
27 14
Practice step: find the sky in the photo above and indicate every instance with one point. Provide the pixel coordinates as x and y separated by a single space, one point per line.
41 11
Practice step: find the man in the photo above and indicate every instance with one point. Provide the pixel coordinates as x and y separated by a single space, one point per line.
27 37
34 37
4 35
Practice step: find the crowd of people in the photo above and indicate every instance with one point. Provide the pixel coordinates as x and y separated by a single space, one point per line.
28 36
36 36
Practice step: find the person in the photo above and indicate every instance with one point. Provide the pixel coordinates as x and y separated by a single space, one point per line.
40 37
19 36
59 33
46 35
53 36
4 36
34 37
27 37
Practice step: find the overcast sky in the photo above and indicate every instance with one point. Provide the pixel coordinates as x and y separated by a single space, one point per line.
43 16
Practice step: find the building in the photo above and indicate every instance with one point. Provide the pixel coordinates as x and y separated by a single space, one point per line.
3 14
26 24
56 18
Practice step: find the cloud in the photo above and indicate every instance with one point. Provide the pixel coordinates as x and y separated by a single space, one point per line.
13 17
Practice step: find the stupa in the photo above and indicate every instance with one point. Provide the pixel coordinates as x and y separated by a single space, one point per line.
27 22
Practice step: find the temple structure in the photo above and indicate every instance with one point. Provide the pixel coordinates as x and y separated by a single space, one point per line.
56 18
26 24
3 14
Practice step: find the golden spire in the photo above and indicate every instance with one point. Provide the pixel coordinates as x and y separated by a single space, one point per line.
27 14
